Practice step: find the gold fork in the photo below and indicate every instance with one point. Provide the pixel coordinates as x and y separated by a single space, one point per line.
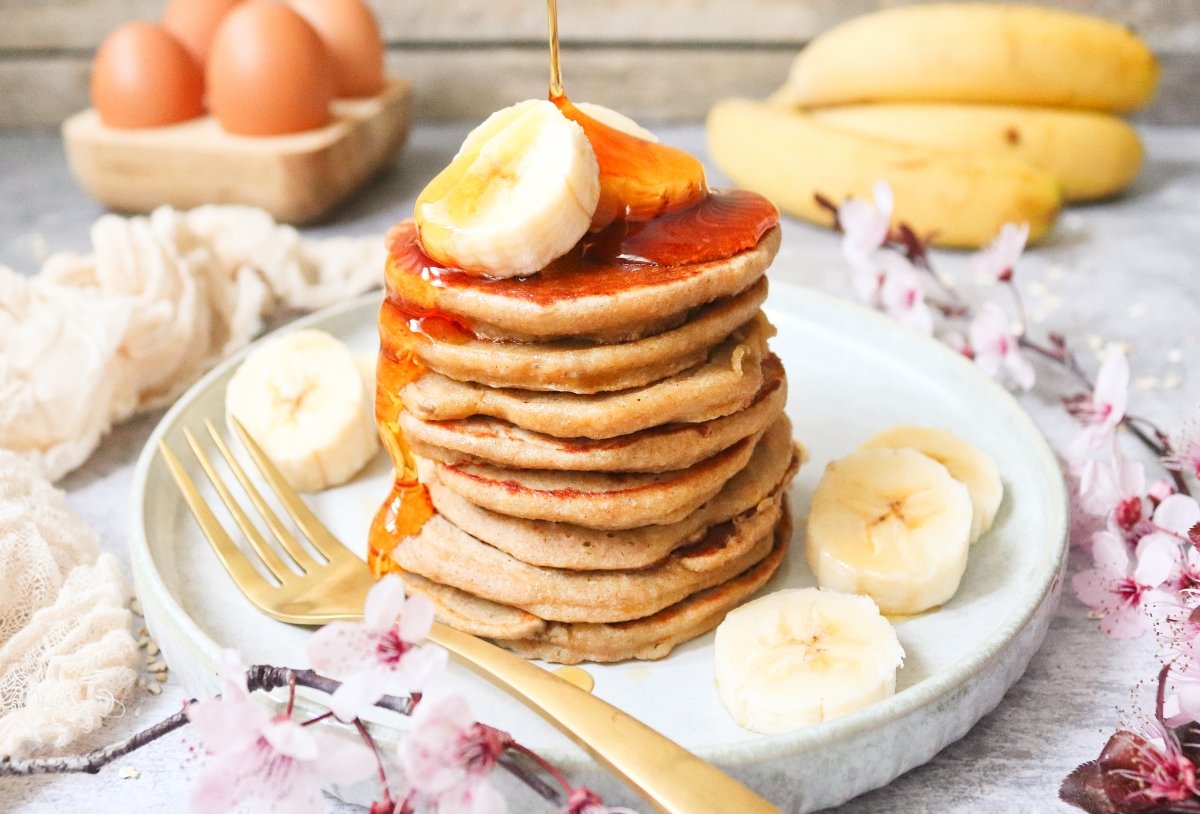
311 592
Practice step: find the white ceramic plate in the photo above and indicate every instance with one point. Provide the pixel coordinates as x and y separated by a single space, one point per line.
851 373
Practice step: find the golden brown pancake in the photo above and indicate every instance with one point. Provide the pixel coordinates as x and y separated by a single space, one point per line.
649 301
563 545
727 382
572 366
674 446
605 500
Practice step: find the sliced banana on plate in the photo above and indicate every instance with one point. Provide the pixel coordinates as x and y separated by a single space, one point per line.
802 656
973 468
520 192
892 524
301 396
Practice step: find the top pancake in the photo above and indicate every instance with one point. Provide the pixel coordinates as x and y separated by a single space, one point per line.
648 300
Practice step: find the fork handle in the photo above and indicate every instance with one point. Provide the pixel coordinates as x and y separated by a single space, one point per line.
671 778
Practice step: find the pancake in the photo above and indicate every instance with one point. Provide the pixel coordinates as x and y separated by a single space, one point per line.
570 365
445 554
650 300
563 545
654 636
604 500
476 616
725 383
651 637
674 446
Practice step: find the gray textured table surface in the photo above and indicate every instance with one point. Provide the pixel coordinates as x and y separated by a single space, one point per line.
1125 270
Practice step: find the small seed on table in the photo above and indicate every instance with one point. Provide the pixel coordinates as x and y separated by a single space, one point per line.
154 689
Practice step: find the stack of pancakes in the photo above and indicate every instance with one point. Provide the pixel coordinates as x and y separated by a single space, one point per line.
609 463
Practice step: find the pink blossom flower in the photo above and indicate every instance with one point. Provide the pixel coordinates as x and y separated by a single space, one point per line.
1160 770
999 259
865 224
994 346
1105 409
1160 490
586 801
1107 485
1187 455
379 654
902 296
1118 586
1177 515
272 762
447 757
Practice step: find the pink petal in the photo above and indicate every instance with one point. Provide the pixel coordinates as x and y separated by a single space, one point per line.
475 797
1094 588
1124 623
1131 475
429 755
290 739
212 792
1112 386
864 277
1110 553
1158 557
227 725
1177 514
1020 369
885 202
233 675
420 668
385 601
358 692
341 760
341 648
415 619
291 788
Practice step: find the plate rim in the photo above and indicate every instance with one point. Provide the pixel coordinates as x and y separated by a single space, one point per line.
765 747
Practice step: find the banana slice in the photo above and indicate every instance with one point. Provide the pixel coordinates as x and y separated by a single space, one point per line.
301 397
802 656
520 192
891 524
615 120
968 465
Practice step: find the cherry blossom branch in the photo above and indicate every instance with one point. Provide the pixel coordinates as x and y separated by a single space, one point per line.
266 678
92 762
952 305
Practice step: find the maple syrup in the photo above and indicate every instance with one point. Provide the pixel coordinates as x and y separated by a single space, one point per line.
657 221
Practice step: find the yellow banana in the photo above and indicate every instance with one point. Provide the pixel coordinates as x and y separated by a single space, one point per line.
975 52
962 198
1093 155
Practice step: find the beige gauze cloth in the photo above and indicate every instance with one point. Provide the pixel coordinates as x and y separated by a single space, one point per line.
84 344
94 338
66 653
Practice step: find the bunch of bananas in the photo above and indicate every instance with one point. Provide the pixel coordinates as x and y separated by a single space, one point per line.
975 114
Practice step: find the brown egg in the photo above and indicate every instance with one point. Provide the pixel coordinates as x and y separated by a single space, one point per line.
194 22
143 77
268 72
351 34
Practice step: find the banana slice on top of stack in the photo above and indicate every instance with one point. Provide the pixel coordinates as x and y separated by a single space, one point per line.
976 114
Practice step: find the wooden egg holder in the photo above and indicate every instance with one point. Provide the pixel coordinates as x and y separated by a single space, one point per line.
297 177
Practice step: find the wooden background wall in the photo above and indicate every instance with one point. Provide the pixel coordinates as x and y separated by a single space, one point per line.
655 59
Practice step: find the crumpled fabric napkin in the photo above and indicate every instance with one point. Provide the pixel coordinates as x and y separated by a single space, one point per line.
66 654
94 338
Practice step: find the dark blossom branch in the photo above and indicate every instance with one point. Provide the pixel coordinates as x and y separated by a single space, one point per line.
266 678
952 305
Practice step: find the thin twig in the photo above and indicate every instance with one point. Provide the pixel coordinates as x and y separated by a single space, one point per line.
92 762
266 678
